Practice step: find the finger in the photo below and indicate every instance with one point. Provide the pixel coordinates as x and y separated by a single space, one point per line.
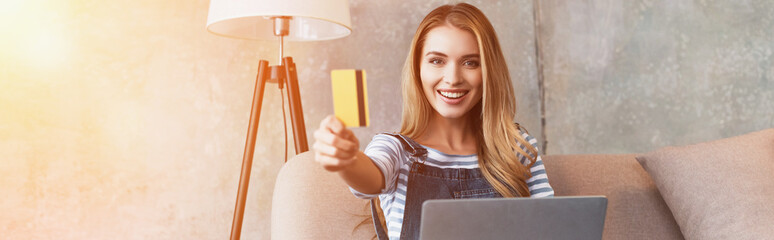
334 152
347 134
335 140
323 135
326 121
323 161
336 125
332 164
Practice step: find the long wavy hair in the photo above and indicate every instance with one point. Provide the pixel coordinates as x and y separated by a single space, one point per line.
497 136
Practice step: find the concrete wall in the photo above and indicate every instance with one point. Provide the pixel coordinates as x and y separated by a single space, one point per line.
127 119
632 76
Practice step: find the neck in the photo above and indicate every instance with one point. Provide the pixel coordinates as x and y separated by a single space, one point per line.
450 135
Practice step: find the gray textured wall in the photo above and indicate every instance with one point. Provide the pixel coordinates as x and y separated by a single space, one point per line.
632 76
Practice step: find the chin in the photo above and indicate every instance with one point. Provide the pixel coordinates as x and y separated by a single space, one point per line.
451 113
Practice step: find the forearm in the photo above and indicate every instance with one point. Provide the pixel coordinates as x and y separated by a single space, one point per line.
363 175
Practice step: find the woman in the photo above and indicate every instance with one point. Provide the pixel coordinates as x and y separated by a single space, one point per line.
457 138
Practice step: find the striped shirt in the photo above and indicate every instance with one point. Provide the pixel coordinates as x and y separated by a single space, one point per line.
386 152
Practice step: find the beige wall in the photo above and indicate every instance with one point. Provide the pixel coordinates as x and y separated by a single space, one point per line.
126 119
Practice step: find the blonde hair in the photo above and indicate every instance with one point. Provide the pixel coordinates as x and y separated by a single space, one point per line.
492 118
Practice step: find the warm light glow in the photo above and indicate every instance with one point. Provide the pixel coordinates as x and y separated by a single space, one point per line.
46 49
34 34
9 7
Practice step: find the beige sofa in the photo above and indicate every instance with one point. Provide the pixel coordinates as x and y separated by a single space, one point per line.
310 203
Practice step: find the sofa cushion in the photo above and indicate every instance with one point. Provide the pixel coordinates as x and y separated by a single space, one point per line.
722 189
635 207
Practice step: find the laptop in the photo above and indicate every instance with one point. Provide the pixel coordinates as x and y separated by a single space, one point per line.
577 217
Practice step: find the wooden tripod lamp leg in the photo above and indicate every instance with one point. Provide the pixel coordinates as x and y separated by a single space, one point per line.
296 111
247 159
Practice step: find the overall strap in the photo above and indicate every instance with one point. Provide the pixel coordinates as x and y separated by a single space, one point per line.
410 146
519 127
381 234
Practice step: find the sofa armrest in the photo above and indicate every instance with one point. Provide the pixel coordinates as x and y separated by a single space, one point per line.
311 203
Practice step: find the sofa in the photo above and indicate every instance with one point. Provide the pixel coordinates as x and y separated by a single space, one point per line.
310 203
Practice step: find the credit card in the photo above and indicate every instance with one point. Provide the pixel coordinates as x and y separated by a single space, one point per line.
350 96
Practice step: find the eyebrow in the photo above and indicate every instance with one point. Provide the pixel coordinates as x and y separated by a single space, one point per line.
472 55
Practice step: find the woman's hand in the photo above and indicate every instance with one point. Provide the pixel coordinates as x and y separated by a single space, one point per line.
335 146
337 149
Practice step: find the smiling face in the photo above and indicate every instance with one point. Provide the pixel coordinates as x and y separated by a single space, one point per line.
451 71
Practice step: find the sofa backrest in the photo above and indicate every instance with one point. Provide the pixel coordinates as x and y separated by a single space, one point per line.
310 203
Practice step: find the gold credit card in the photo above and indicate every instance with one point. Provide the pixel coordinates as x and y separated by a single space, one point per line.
350 96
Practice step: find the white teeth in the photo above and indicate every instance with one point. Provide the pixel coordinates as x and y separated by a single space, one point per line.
452 94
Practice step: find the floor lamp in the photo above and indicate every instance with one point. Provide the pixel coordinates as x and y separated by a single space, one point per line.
292 20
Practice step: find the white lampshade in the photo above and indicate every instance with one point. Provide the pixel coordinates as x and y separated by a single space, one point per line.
250 19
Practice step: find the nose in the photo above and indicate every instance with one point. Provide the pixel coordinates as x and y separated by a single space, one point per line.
451 75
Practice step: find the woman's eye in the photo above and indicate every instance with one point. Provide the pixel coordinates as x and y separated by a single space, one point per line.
436 61
472 64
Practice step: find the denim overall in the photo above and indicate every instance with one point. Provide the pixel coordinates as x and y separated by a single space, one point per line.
427 182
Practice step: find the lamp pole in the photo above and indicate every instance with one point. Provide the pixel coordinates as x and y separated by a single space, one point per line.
284 72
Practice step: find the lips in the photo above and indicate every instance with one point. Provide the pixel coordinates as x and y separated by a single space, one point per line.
452 96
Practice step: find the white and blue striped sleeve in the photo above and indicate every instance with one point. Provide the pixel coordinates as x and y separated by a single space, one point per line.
385 151
538 184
